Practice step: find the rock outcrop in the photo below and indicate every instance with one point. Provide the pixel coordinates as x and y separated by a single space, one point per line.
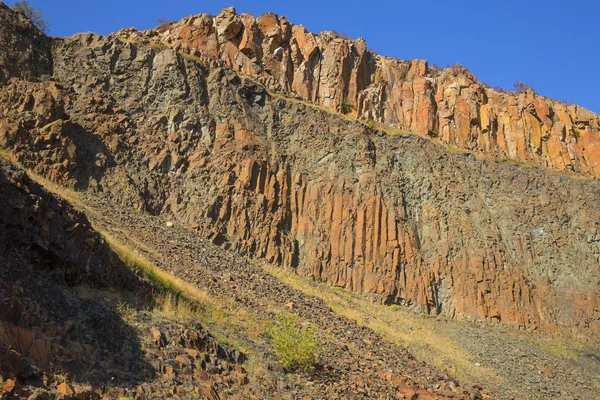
24 51
449 104
46 247
400 218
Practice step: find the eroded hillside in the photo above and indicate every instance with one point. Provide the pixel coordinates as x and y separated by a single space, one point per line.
178 124
396 217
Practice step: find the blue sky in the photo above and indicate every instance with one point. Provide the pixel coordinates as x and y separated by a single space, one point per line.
551 45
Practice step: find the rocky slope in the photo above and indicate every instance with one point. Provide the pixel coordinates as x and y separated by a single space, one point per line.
62 330
450 104
178 132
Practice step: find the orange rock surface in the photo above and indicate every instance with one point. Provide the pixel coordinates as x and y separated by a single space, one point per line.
450 103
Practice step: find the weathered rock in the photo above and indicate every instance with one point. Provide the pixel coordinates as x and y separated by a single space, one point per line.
398 218
450 103
25 52
65 388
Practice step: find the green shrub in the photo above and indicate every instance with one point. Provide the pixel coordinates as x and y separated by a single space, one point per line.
372 125
296 346
346 107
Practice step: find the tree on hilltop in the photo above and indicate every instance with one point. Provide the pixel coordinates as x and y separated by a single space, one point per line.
36 16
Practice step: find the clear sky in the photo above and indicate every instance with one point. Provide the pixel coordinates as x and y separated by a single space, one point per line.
551 45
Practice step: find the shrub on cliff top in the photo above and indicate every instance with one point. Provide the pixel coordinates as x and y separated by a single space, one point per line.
36 16
296 346
162 21
522 87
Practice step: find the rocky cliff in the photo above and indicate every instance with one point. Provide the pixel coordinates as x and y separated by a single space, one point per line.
184 128
451 104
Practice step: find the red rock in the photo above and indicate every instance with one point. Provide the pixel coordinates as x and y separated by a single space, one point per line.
183 360
241 379
209 392
159 338
169 370
450 103
65 388
9 385
349 227
548 372
192 352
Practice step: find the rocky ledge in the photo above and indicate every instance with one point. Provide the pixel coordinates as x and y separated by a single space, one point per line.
336 72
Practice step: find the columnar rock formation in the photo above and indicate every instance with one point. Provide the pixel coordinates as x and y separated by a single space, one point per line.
450 104
397 217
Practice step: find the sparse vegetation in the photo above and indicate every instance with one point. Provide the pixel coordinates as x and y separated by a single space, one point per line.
346 107
495 88
522 87
159 46
341 35
179 300
295 345
199 59
162 21
456 68
416 333
508 160
36 16
372 125
576 132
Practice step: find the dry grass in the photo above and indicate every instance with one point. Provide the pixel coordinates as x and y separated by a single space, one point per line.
59 190
176 299
457 149
179 299
421 335
159 46
389 130
203 62
310 104
7 156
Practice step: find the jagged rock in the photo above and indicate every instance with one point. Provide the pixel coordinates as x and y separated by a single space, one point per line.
450 103
65 388
398 218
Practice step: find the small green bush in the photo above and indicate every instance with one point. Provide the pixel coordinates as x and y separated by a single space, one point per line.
346 107
372 125
296 346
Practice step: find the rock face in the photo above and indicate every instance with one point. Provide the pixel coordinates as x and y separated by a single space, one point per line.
450 104
47 232
24 50
50 331
404 220
45 246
